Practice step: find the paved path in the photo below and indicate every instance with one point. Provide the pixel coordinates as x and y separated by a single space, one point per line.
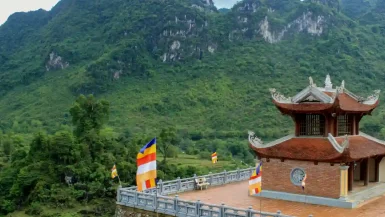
236 195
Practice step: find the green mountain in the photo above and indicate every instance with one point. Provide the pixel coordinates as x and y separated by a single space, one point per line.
182 62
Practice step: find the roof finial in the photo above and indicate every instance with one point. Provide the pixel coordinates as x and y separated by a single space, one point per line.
311 82
328 83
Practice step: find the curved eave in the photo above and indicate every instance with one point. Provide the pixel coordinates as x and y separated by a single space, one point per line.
338 157
358 107
302 107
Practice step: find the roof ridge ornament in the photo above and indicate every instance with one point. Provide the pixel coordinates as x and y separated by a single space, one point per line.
341 88
370 100
328 83
279 97
340 148
312 84
254 140
345 143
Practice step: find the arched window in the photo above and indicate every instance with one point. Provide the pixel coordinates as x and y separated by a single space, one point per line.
311 125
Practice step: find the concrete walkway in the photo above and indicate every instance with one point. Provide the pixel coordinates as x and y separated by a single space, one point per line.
236 195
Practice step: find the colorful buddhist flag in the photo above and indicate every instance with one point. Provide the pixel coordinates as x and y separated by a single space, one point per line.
214 157
303 182
255 181
114 172
146 162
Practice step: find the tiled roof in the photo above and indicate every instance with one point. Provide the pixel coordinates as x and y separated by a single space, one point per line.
342 101
363 147
320 149
348 103
304 107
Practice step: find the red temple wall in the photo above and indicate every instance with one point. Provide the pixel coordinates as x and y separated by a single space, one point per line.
322 180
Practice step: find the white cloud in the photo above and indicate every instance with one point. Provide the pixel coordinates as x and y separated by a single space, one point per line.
8 7
225 3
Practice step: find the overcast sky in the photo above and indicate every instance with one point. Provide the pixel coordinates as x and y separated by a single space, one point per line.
222 3
8 7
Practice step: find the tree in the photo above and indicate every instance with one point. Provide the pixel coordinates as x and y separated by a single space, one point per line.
89 115
166 139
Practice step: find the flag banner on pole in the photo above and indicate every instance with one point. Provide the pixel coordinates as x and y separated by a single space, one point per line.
114 172
146 163
255 181
214 157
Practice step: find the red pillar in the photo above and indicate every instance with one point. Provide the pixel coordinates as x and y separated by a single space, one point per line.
366 173
377 169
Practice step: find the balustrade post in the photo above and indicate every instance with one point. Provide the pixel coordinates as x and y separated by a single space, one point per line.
278 213
198 207
224 177
136 198
118 194
238 175
160 184
211 178
155 202
250 212
223 211
310 215
179 185
176 204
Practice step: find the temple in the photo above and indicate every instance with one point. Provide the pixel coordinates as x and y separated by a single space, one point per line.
326 145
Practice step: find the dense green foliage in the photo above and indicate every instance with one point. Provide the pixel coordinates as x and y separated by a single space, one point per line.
68 168
195 77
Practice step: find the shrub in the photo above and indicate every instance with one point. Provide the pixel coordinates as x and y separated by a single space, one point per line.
34 209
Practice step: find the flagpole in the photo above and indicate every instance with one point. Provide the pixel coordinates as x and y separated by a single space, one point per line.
260 197
120 183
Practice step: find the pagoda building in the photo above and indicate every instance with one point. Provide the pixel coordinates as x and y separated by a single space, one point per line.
326 147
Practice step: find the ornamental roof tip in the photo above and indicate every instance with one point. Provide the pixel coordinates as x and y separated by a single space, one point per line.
254 140
279 97
339 147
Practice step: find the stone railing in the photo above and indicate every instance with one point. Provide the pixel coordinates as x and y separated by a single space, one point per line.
188 184
155 199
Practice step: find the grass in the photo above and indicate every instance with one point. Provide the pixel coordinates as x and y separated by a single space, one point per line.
194 160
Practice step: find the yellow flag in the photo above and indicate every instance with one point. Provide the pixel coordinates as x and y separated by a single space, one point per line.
114 172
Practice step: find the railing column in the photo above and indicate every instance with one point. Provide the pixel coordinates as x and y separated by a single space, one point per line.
155 202
278 213
176 204
179 184
224 177
249 212
118 194
136 198
198 207
310 215
211 178
223 210
238 175
160 184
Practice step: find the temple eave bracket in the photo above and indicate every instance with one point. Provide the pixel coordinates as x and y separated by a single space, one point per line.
254 140
339 147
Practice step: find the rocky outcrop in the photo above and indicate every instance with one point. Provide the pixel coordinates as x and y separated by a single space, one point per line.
307 23
55 62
